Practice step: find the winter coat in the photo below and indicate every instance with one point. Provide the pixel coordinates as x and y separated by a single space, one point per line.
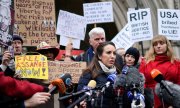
170 71
108 95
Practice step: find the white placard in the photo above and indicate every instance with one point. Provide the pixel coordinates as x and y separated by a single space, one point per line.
169 23
140 25
98 12
71 25
64 41
123 39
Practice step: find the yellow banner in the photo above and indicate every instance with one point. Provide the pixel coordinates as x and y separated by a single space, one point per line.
32 66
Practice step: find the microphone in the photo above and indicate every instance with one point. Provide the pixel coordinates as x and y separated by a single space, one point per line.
110 80
135 87
120 81
135 80
91 85
87 94
119 88
61 83
158 77
163 94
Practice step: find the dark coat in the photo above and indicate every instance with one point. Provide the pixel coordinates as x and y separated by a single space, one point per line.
87 56
108 95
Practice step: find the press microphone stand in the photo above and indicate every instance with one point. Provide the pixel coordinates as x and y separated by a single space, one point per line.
162 100
120 97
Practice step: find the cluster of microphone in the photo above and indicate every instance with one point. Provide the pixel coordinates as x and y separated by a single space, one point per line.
132 82
167 91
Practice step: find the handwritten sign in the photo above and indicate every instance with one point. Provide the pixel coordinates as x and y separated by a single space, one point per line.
169 23
98 12
35 20
63 41
56 68
32 66
71 25
123 39
140 25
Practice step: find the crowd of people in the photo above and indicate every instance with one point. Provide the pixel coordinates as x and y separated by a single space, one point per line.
103 60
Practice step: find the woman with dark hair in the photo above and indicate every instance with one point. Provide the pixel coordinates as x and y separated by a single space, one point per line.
102 65
160 56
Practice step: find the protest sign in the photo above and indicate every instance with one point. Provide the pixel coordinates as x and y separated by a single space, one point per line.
98 12
169 23
123 39
35 20
56 68
64 40
71 25
32 66
140 25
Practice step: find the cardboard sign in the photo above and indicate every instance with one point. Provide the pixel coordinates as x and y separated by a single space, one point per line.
71 25
98 12
56 68
32 66
35 20
140 25
169 23
123 39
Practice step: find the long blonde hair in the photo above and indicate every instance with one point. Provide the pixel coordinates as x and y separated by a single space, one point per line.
150 55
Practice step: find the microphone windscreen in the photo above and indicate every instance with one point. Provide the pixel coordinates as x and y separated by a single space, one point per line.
61 86
157 75
162 93
134 77
92 84
120 81
66 78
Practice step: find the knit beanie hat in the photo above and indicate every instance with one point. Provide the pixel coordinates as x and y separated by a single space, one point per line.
16 37
133 51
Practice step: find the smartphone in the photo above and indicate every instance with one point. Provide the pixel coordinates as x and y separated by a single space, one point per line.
11 50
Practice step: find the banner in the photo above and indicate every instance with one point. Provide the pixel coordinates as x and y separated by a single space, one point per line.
169 23
98 12
35 21
140 25
71 25
32 66
123 39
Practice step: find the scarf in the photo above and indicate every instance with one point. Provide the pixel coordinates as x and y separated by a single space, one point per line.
106 69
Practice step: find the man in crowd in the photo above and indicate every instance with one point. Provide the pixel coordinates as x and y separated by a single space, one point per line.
96 37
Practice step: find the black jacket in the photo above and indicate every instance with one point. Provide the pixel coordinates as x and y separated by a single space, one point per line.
108 95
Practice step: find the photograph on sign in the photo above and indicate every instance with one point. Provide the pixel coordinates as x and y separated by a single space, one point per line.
169 23
98 12
71 25
140 25
6 15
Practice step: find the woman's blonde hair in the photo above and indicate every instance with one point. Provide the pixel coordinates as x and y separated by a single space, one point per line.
150 55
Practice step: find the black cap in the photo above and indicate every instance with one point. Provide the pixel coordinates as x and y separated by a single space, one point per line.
133 51
17 37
